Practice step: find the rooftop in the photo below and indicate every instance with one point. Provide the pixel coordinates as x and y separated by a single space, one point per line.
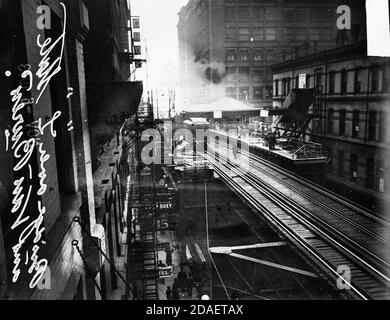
224 105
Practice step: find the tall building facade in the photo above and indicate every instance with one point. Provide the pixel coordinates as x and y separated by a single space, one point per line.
58 176
109 63
351 108
71 217
226 47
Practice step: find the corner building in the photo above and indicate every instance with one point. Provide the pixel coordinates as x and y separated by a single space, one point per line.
226 47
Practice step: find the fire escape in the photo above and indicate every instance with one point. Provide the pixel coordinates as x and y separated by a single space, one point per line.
143 244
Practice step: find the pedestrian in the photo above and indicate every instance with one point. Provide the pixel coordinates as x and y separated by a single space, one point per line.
190 285
175 291
135 292
175 285
182 279
168 293
168 259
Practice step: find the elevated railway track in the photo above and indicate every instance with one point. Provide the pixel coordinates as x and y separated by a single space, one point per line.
332 232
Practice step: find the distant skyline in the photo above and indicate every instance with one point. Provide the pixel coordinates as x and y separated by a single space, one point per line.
159 28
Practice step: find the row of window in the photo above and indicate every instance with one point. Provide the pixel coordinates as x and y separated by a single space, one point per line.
242 13
249 94
375 175
245 55
244 73
246 34
376 124
233 34
291 15
340 82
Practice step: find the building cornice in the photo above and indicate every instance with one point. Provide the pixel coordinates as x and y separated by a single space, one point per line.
358 50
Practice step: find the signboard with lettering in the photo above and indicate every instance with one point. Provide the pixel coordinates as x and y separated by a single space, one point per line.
264 113
217 114
165 272
164 205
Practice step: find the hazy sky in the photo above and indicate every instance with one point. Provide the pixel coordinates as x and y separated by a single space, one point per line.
159 27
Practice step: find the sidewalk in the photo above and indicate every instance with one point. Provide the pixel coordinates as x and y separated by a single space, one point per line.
169 236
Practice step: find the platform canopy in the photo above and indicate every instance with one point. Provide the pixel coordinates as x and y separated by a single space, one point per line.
224 105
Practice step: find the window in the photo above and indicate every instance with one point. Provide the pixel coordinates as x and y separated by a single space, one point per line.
370 173
244 34
332 82
270 14
288 86
288 34
381 176
258 55
230 14
327 34
257 13
308 77
318 79
344 81
136 36
268 75
386 80
244 55
243 73
258 74
296 82
270 34
283 87
315 34
276 91
231 55
230 34
376 79
301 15
270 55
340 164
231 73
301 34
354 167
358 80
383 127
258 93
244 94
243 14
342 123
315 14
330 121
268 92
289 15
355 123
372 123
231 92
258 34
